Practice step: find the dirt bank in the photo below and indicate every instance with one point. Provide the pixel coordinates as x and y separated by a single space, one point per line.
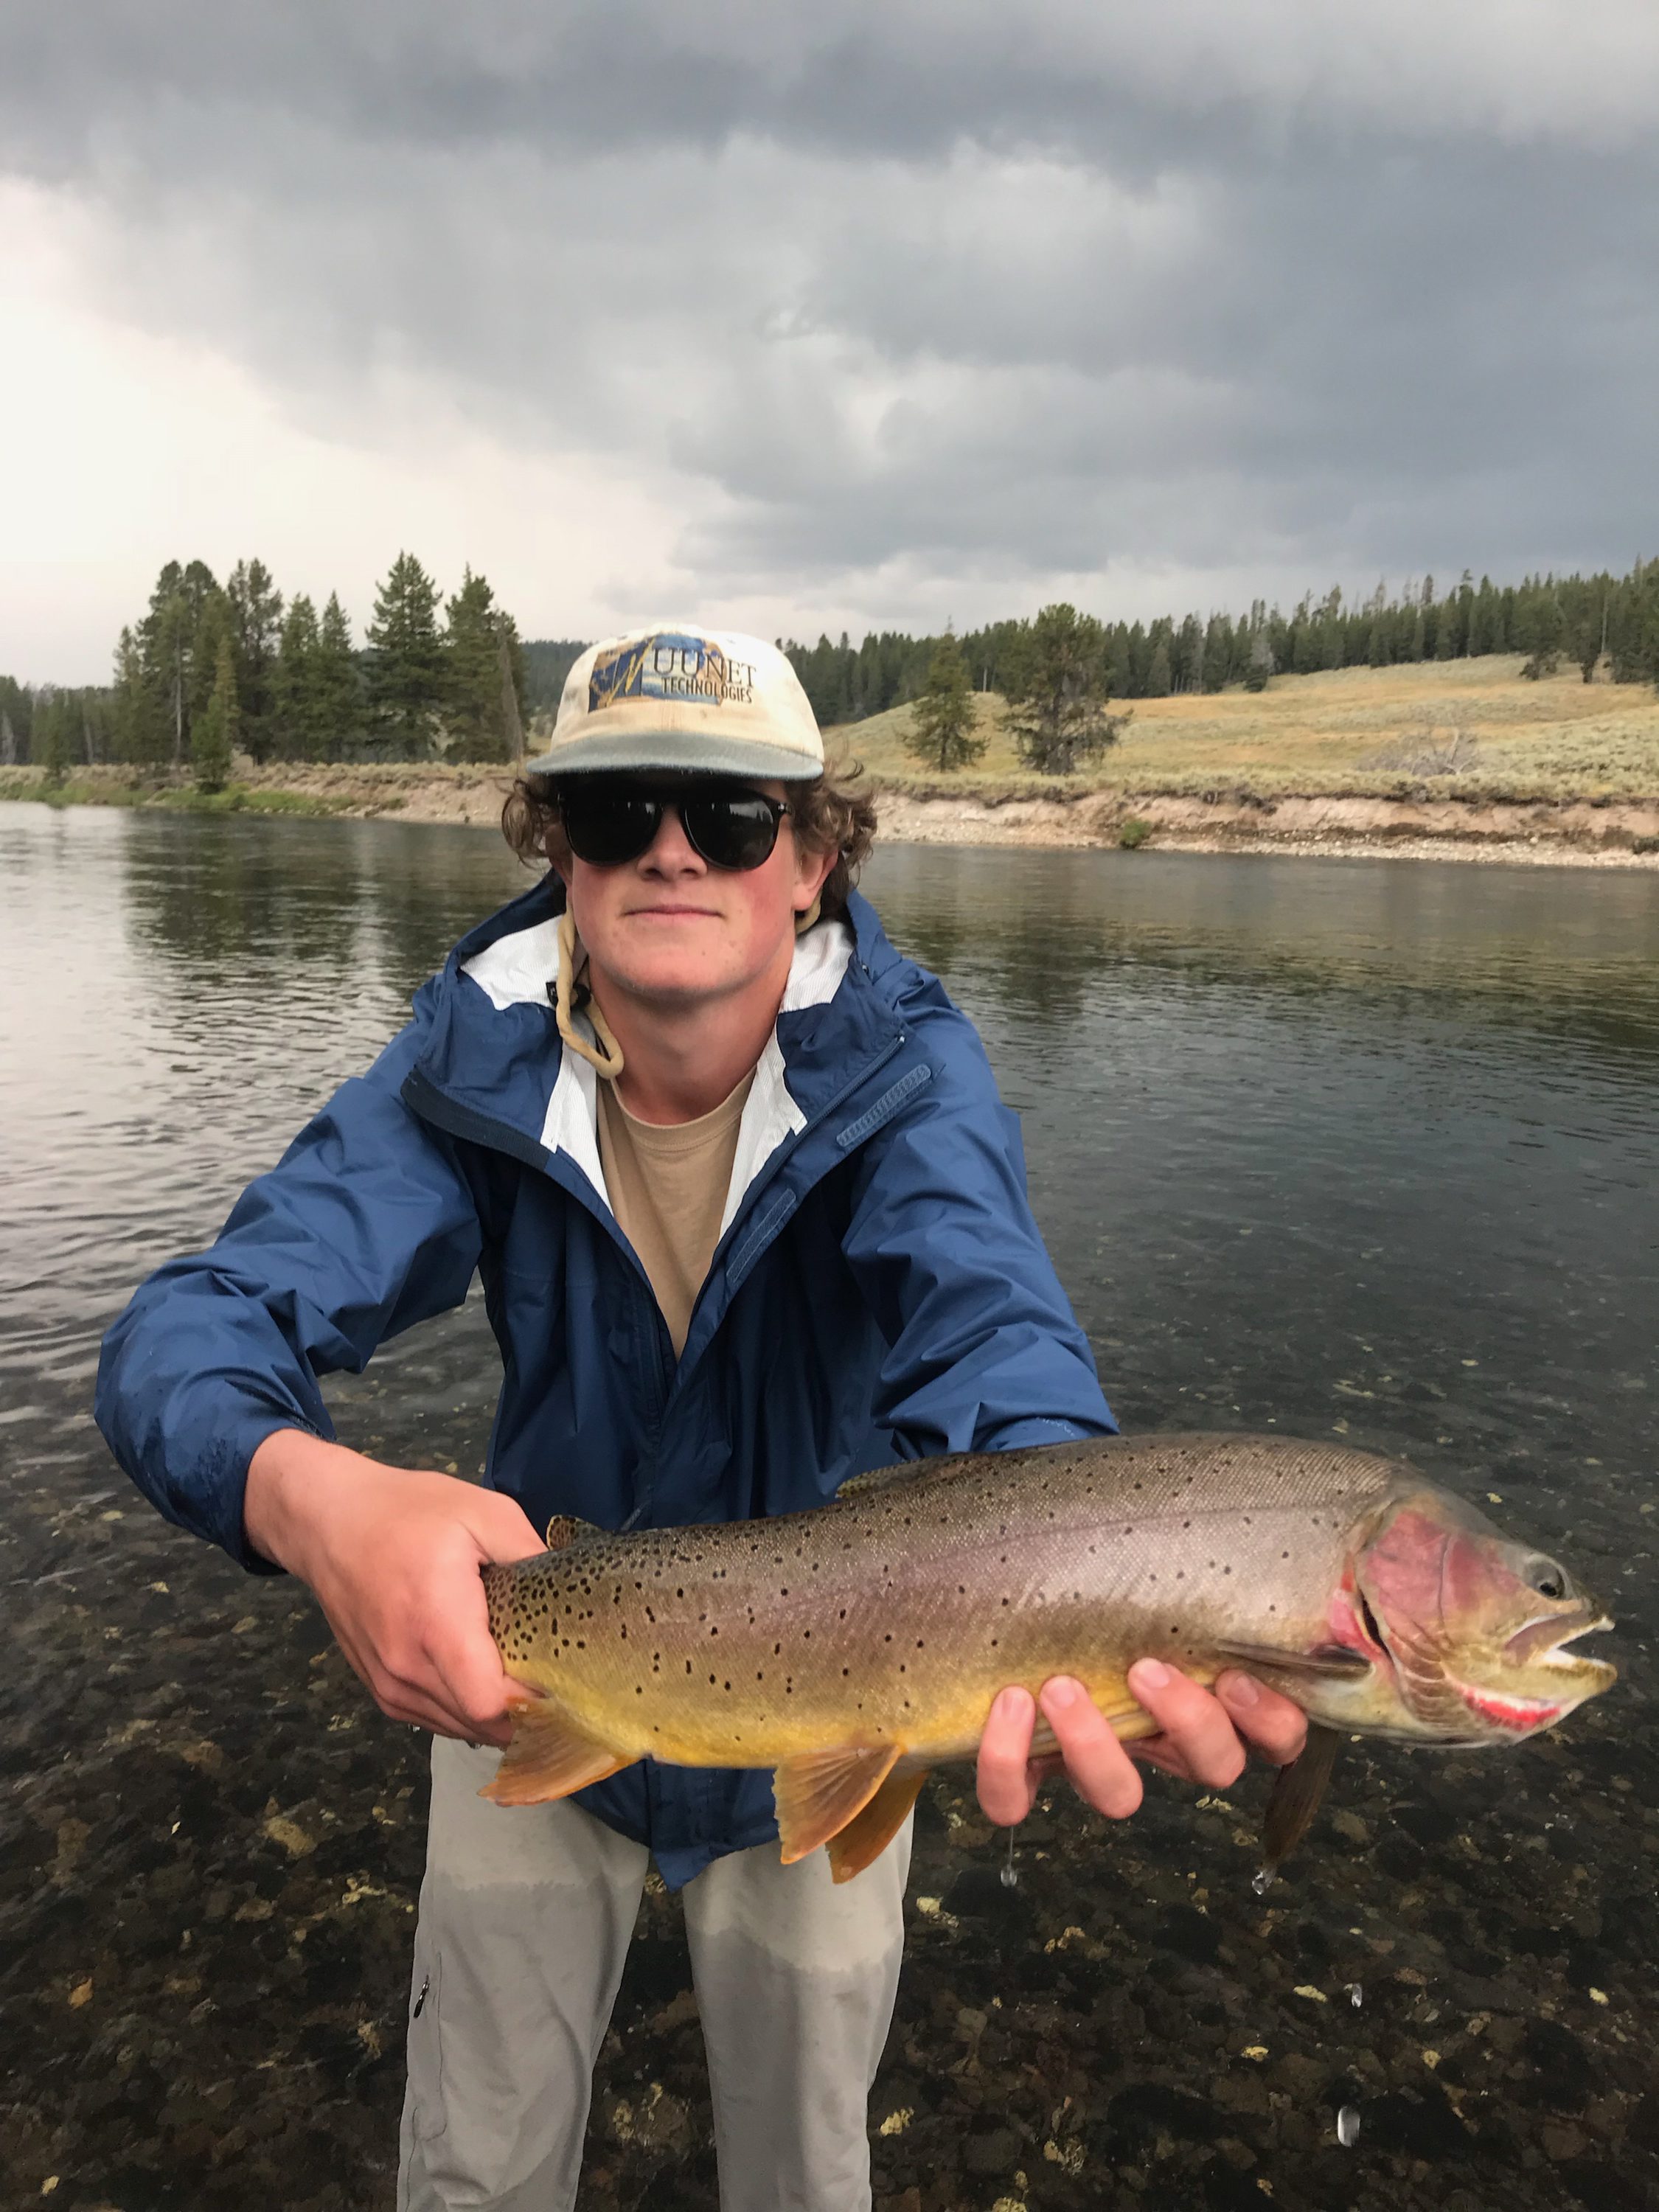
1586 832
1579 832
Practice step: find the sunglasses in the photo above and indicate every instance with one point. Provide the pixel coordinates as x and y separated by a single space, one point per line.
608 820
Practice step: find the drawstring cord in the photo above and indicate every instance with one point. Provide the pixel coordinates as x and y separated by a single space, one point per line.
571 998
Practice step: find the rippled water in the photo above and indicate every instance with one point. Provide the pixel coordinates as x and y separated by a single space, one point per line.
1359 1147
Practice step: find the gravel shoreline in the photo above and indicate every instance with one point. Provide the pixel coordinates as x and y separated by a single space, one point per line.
1593 832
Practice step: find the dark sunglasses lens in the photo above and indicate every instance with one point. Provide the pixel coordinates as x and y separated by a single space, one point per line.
606 827
736 830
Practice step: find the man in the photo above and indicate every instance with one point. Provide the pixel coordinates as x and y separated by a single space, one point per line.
749 1217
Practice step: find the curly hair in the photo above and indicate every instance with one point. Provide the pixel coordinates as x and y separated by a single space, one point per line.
828 814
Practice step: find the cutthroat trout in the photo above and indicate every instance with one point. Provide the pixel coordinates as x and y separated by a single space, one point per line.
854 1647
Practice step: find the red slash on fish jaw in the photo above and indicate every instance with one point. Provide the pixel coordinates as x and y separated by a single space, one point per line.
1520 1715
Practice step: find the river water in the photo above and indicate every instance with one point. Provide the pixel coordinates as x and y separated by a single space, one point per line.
1357 1148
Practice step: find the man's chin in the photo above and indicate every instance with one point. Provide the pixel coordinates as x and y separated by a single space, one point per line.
673 985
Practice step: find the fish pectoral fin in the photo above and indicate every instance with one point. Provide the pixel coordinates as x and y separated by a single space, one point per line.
818 1792
868 1833
1297 1794
548 1757
1330 1663
564 1529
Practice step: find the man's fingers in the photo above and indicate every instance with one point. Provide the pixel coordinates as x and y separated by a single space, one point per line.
1005 1784
1277 1729
1096 1764
1199 1734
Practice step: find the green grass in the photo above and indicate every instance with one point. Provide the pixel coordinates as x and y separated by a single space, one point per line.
115 789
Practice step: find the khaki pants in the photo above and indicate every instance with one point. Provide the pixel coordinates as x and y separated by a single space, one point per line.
526 1917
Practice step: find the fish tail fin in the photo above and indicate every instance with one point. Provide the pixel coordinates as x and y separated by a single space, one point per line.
548 1756
868 1833
818 1792
1297 1794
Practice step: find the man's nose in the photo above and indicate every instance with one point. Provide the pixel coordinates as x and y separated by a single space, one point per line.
670 847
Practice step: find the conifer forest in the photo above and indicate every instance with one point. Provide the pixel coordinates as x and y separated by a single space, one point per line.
208 668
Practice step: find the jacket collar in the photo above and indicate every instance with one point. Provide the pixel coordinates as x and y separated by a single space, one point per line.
494 1057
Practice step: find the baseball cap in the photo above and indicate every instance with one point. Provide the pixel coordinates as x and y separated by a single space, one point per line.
684 697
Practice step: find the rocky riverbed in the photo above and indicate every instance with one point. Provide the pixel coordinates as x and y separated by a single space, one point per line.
212 1847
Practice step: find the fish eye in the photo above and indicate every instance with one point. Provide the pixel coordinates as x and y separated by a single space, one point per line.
1548 1579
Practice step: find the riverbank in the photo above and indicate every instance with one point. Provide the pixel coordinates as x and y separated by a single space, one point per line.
1597 831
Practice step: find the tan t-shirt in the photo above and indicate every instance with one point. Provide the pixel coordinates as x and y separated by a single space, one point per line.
667 1186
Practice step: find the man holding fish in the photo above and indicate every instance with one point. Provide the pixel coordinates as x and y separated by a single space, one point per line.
750 1221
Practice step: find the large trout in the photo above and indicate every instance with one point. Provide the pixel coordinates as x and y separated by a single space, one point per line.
854 1647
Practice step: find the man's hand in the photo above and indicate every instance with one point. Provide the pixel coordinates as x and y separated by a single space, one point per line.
1198 1737
392 1554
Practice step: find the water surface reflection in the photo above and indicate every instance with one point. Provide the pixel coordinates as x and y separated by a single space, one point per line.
1366 1148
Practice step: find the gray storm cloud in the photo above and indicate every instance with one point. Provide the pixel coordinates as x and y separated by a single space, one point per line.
945 293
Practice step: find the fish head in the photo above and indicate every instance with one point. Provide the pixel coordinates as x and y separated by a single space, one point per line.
1474 1629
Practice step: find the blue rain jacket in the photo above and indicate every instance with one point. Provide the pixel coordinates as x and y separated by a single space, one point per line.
879 1290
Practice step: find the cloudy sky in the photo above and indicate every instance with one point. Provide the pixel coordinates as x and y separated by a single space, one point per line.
868 313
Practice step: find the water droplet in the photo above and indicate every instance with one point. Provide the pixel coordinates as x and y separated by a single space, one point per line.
1354 1994
1347 2126
1263 1879
1009 1878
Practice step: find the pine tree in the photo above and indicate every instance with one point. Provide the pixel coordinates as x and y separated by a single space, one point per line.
297 729
406 673
177 645
941 731
339 685
213 740
255 618
1159 680
484 674
1543 636
140 718
1056 690
54 725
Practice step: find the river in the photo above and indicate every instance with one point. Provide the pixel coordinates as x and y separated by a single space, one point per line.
1357 1148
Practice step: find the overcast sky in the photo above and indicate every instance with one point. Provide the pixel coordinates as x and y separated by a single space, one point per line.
857 314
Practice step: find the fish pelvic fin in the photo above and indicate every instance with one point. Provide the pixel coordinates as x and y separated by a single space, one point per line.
818 1792
868 1833
1331 1663
548 1756
1297 1794
564 1529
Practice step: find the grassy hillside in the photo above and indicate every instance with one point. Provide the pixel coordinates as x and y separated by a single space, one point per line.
1461 728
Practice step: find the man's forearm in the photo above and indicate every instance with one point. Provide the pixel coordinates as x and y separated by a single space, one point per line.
283 1478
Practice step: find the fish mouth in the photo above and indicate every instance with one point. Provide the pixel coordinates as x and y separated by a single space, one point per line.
1544 1642
1561 1679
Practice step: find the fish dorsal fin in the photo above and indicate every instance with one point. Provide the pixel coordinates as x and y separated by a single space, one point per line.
1330 1663
907 1475
548 1757
879 1478
1295 1795
564 1529
818 1792
868 1833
